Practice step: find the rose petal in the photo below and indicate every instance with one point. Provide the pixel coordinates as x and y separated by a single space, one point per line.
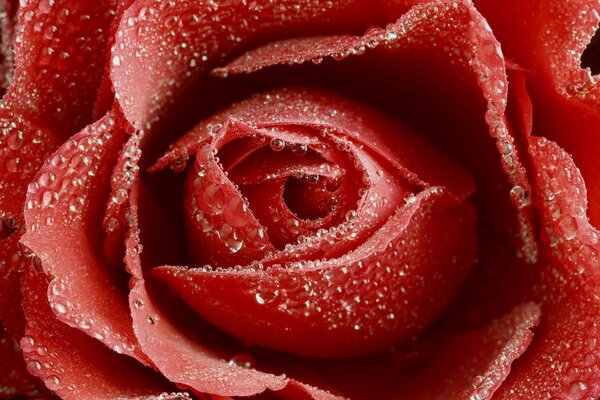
145 93
11 313
23 147
50 98
115 218
215 205
63 219
60 56
548 40
568 285
461 365
72 364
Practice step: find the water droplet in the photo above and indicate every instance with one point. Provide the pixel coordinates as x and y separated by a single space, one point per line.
138 303
242 360
568 227
350 215
76 204
300 149
120 196
49 199
52 382
33 366
27 344
277 144
519 195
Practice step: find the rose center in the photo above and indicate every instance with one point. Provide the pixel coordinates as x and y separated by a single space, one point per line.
309 197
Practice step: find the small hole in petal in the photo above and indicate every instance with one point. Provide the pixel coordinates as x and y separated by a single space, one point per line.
591 56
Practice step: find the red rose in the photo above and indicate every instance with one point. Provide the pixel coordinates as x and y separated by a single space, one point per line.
299 200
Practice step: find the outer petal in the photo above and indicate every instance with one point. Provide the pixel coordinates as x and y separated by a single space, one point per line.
72 364
7 28
64 214
59 58
58 63
447 365
548 40
562 361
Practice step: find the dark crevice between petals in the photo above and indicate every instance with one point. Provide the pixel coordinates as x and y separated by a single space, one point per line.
591 55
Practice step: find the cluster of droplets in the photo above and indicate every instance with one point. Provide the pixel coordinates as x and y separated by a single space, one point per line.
18 140
577 369
366 287
122 180
65 59
6 33
42 362
304 51
488 63
69 173
222 215
568 229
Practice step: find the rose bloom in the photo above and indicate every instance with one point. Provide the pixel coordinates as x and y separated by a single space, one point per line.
299 199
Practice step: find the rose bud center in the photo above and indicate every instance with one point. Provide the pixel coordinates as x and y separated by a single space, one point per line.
319 219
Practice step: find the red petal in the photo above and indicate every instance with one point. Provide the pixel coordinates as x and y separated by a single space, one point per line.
548 39
144 68
7 28
63 215
11 313
189 362
72 364
23 148
60 55
465 365
58 62
115 219
568 285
